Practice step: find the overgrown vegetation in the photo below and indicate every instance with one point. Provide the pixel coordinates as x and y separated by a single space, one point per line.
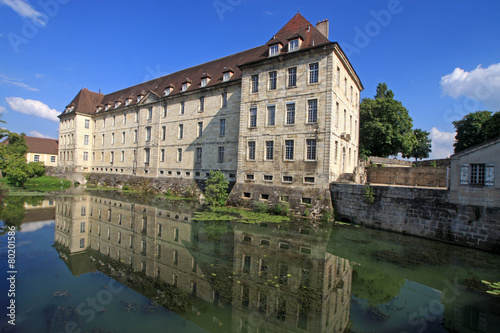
216 190
214 213
369 195
494 287
46 184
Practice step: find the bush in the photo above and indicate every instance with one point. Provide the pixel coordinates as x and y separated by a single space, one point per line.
282 209
260 207
433 163
126 187
36 169
306 212
369 195
216 190
326 216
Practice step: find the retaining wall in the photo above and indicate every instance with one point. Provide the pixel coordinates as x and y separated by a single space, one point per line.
421 176
419 212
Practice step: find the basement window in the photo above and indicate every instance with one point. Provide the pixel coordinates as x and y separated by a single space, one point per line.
308 179
306 201
250 177
264 196
246 194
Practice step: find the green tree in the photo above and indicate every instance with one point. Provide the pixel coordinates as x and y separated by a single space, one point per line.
13 159
475 128
386 127
3 132
216 190
492 126
422 149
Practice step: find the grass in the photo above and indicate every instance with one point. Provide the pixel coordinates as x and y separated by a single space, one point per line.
237 214
46 184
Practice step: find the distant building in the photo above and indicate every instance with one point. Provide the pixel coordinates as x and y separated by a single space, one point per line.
42 150
284 114
472 175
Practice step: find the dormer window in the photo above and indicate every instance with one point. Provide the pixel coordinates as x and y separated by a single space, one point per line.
274 50
99 108
167 91
127 102
184 86
107 107
139 97
117 104
227 74
293 45
204 82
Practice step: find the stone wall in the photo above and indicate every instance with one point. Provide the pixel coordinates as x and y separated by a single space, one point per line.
419 212
421 176
65 173
297 197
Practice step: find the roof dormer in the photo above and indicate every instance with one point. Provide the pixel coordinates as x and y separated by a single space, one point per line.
168 90
139 97
106 108
294 42
227 73
205 79
275 46
117 104
99 108
186 84
127 101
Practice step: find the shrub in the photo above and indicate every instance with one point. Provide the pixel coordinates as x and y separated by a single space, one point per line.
126 187
433 163
282 209
36 169
216 190
369 195
326 215
306 212
260 207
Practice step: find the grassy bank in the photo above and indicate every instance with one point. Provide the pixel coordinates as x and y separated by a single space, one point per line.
38 184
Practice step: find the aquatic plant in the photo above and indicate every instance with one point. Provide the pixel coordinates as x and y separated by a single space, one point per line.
494 287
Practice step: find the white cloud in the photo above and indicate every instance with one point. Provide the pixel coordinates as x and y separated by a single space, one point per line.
16 82
3 109
32 107
39 135
34 226
480 84
24 9
442 143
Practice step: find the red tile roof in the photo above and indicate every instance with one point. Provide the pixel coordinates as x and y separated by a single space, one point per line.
42 146
87 101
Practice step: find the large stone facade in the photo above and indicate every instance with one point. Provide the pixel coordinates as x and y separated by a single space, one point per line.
284 114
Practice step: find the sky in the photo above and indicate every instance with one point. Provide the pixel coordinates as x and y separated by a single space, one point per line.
440 58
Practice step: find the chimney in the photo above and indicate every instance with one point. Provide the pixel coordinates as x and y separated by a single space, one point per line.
323 27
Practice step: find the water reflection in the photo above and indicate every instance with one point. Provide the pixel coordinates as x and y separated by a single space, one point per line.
223 277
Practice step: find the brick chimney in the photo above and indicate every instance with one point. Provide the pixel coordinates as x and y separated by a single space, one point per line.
323 27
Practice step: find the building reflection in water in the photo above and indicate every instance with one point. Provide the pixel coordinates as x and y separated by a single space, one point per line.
223 277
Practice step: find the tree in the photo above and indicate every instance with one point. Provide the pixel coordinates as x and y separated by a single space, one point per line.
422 149
216 190
13 159
3 132
386 127
475 128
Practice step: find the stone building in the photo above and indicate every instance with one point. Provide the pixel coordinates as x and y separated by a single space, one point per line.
284 114
40 150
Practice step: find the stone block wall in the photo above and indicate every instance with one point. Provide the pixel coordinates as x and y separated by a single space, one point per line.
419 212
421 176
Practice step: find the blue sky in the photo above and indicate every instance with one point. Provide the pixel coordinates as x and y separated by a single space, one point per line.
440 58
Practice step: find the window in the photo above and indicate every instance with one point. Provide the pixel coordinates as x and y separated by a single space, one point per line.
87 123
254 83
226 76
135 136
204 82
82 243
289 149
122 156
269 150
221 154
165 110
179 154
222 127
293 45
124 119
102 141
199 154
52 159
181 131
273 78
146 155
112 157
287 179
253 117
162 155
345 87
112 138
338 76
345 119
313 73
114 121
312 111
311 149
148 134
336 150
123 137
163 132
274 50
200 129
292 77
250 177
85 139
224 99
202 103
268 177
150 113
251 150
477 173
290 113
85 156
136 116
184 86
271 115
102 157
